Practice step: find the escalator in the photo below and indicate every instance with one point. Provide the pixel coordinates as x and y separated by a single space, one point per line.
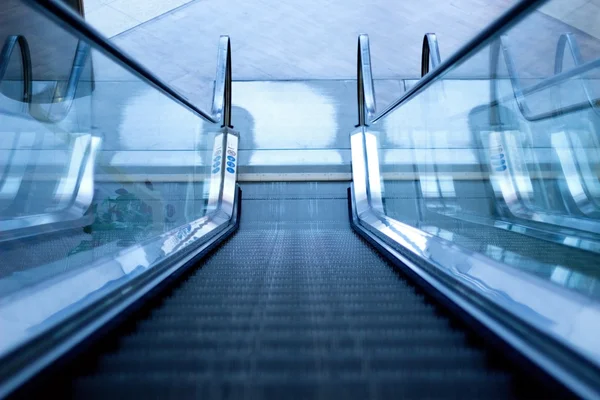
391 262
295 304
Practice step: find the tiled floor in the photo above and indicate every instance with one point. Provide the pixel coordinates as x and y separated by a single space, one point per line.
584 14
112 17
316 39
290 39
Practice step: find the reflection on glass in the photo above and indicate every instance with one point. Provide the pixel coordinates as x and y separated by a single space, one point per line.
501 155
93 165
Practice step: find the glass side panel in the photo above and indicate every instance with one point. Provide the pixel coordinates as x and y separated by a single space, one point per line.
501 154
94 164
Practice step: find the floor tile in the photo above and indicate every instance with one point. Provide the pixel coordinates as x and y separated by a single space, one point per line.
294 39
92 5
586 18
109 21
144 10
154 53
561 8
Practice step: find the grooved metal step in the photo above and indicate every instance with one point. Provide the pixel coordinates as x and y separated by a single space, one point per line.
301 312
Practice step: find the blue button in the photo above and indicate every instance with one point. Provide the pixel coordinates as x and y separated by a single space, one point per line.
217 164
502 168
497 156
231 158
230 170
230 164
217 158
214 171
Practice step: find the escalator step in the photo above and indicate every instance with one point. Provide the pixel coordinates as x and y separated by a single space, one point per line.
297 312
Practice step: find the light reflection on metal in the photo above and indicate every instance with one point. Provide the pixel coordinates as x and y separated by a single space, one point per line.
75 24
520 94
575 146
512 183
30 311
430 53
519 199
14 169
359 171
230 168
562 314
61 100
221 104
63 96
509 175
501 24
568 39
569 238
434 171
67 184
8 48
79 288
365 89
437 187
68 206
436 184
579 176
82 286
375 187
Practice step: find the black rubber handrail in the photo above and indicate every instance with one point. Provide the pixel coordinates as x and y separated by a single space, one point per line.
365 89
221 105
519 10
430 53
72 21
8 48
